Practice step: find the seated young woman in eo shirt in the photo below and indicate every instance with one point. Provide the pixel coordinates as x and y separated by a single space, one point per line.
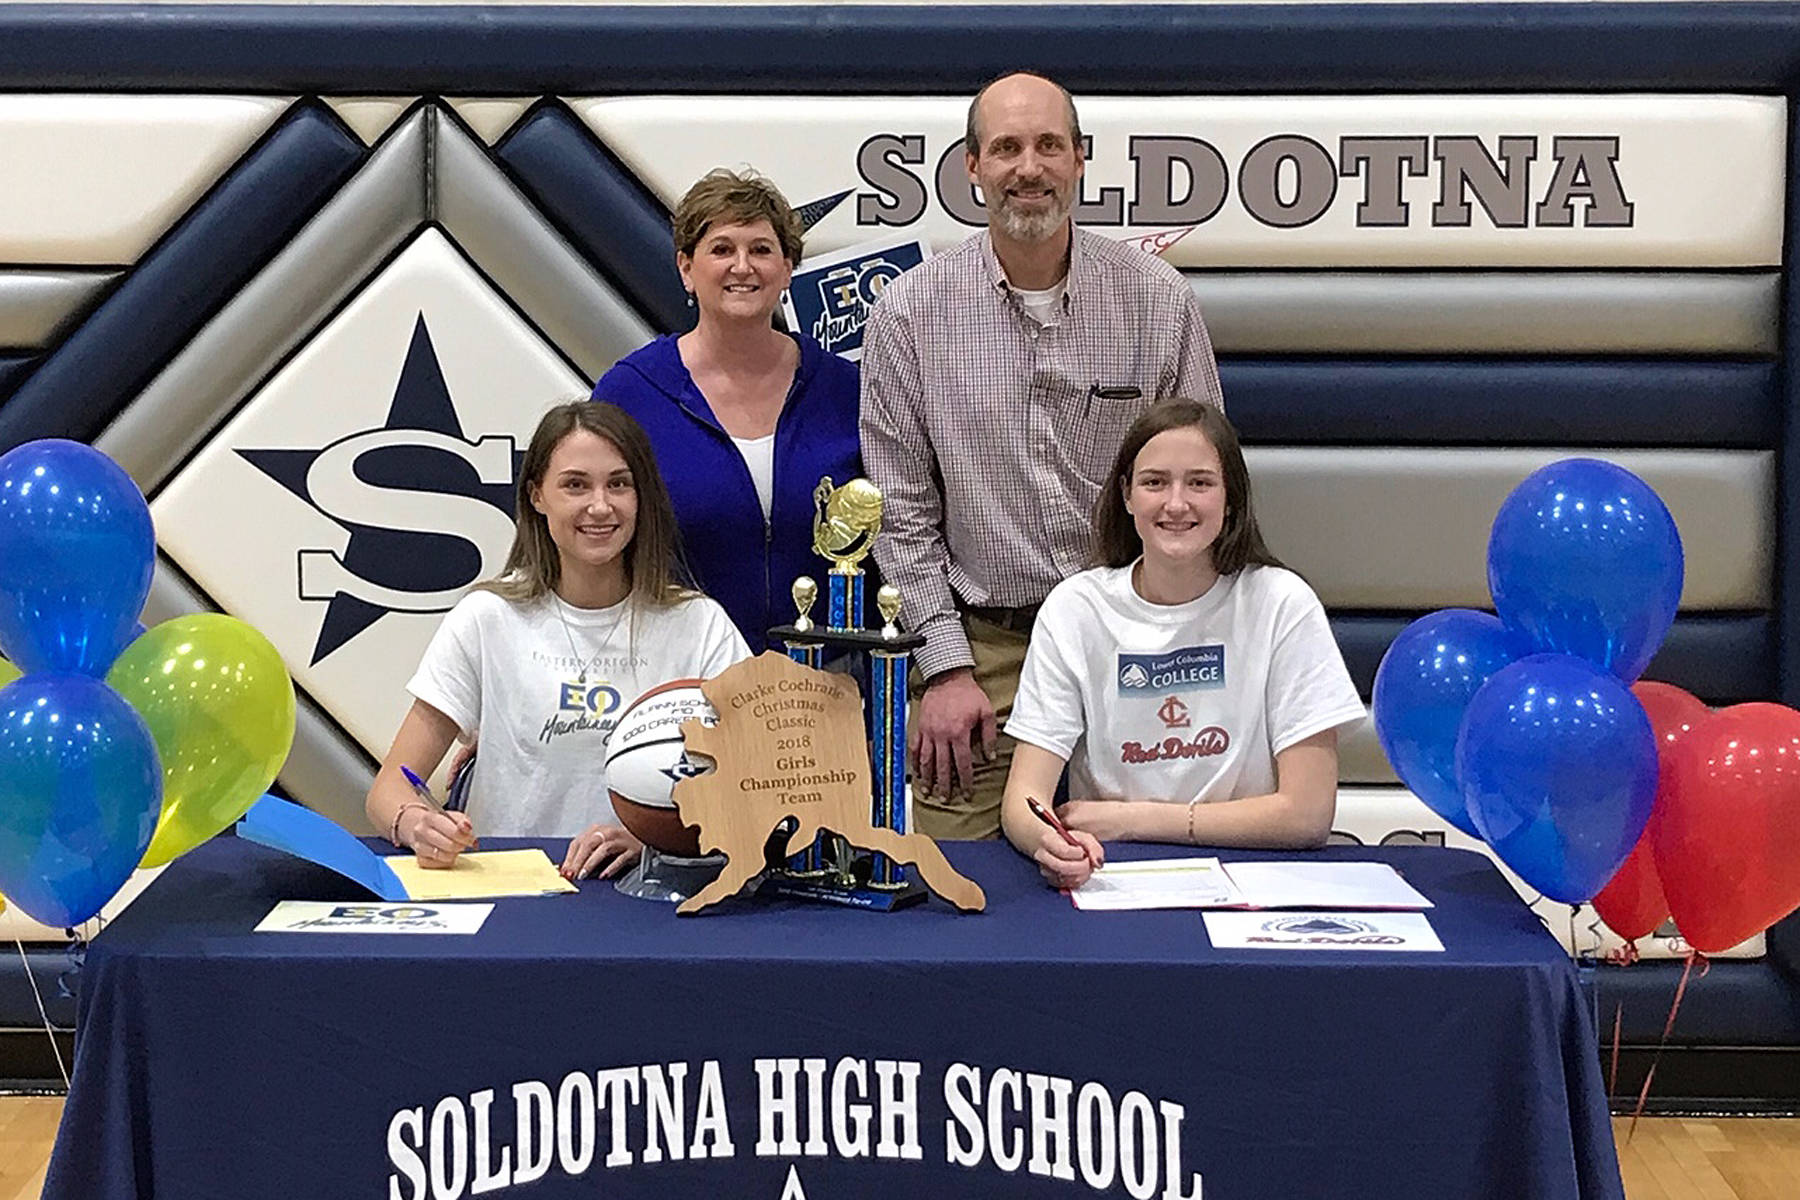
1190 683
589 613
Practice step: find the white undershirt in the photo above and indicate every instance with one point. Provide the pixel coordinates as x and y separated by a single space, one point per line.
1045 307
759 456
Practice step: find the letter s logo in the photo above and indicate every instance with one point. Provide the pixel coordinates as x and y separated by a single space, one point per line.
341 493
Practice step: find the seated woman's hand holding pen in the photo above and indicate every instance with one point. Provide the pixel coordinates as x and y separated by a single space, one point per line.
435 836
1065 857
1104 820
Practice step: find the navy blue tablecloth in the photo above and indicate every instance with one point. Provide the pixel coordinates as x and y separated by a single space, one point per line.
1033 1050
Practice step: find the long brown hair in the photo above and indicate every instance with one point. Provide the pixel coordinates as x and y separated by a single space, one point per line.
654 568
1239 544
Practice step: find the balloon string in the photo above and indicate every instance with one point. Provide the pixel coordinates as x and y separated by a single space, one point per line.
1612 1074
1675 1007
43 1014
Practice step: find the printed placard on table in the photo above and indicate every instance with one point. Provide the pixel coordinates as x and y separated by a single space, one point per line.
327 916
1234 930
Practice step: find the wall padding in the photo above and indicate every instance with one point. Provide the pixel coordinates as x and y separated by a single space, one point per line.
1407 527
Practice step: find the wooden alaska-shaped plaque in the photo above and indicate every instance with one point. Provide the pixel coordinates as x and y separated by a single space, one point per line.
790 742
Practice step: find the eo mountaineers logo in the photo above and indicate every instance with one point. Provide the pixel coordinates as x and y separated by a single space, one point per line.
830 296
425 507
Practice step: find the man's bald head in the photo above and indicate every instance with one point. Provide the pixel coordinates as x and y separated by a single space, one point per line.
1015 85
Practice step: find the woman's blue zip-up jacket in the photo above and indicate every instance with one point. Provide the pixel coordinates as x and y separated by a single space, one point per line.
745 564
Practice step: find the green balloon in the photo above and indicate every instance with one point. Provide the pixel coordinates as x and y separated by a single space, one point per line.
220 707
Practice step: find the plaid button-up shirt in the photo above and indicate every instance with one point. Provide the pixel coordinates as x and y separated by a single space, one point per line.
989 434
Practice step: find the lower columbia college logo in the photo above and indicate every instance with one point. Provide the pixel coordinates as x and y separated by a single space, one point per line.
1173 713
1316 929
1189 669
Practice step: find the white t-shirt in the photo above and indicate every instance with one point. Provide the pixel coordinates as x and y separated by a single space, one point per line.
1045 305
507 670
759 456
1172 702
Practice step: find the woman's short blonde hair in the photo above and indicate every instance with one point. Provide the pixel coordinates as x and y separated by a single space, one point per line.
730 198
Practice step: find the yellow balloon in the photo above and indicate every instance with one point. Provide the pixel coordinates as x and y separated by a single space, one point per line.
220 707
8 672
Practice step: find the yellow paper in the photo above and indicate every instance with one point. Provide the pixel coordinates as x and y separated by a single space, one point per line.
479 874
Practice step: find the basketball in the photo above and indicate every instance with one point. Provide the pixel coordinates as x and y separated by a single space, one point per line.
644 759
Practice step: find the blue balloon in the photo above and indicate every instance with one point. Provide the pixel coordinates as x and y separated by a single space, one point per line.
77 550
80 792
1558 765
1423 687
1585 559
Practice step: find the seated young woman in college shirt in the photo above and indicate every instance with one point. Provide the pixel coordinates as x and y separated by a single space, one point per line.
1190 684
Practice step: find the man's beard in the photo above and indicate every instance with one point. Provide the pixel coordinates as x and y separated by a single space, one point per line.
1022 226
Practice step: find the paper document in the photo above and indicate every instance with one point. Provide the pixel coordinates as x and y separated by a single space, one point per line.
1321 931
1206 883
479 874
1323 884
1158 883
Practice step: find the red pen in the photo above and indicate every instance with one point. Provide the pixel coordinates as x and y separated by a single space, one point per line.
1053 821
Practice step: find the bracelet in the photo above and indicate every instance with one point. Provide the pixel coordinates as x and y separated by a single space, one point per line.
1192 841
394 832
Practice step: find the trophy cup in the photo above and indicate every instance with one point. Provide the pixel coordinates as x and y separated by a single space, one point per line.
803 788
845 524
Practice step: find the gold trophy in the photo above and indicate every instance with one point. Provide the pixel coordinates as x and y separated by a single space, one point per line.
805 591
887 603
846 521
844 529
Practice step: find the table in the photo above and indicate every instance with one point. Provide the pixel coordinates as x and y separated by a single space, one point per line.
594 1045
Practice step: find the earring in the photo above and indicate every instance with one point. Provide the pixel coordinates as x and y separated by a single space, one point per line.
690 300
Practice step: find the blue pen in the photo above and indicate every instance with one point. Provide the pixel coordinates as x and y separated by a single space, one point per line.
420 786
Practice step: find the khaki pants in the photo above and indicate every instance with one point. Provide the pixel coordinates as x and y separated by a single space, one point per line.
999 656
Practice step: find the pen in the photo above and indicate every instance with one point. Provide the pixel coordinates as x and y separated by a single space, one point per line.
423 791
1053 821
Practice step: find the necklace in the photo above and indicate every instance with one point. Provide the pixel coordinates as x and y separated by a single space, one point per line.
583 665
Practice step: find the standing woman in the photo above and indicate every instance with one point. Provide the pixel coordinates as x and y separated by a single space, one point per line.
589 613
1190 683
745 419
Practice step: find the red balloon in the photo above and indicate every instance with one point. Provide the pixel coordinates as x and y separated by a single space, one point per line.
1632 904
1728 841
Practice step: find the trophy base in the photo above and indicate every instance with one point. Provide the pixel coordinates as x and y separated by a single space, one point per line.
780 885
845 639
668 878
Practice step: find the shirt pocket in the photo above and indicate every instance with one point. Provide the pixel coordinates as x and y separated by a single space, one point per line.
1093 420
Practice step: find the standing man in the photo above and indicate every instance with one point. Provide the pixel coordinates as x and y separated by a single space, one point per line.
998 379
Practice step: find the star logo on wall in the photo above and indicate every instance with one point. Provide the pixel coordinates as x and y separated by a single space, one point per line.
419 448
